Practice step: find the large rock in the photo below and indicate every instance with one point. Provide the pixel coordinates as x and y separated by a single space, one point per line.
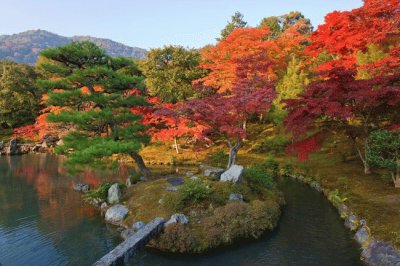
362 236
343 210
233 174
352 222
114 194
213 172
380 253
116 214
13 149
177 218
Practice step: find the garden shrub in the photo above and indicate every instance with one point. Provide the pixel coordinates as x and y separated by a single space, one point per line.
177 238
100 193
274 145
258 178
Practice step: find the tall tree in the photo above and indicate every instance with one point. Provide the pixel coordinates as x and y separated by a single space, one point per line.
170 71
279 24
236 22
94 93
342 103
19 98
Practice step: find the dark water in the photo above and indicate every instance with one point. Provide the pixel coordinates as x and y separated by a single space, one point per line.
310 233
44 222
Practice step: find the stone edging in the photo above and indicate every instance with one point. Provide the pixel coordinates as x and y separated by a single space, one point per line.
374 252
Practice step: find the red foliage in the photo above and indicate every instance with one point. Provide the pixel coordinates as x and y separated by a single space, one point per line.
342 99
345 33
303 148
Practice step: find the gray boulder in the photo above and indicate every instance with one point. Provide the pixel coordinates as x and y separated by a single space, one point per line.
116 214
114 194
81 187
189 173
233 174
316 186
177 218
362 236
138 225
236 196
380 253
194 177
213 172
127 233
351 222
13 149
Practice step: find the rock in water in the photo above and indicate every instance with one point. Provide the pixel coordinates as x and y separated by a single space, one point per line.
13 149
138 225
352 222
114 194
177 218
362 236
127 233
233 174
380 253
116 214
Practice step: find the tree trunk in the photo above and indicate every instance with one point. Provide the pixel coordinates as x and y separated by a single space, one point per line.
361 155
233 153
176 145
396 176
140 164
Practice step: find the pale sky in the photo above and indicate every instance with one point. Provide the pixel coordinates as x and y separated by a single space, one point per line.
152 23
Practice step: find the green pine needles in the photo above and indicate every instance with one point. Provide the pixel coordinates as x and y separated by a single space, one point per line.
93 92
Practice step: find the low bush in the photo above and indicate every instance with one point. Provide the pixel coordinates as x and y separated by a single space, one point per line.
259 179
99 193
191 192
177 238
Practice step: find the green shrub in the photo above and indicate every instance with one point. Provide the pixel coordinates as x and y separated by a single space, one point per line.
100 193
335 197
271 166
219 159
258 178
191 192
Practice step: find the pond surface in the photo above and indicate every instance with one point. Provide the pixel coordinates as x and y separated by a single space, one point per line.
44 222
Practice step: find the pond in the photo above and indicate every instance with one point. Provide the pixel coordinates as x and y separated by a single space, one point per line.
44 222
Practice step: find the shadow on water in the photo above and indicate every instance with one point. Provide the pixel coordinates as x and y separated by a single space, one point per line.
310 233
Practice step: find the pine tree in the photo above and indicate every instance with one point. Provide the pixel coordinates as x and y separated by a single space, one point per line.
93 90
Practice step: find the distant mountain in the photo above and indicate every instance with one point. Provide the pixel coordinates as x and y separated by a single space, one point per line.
25 47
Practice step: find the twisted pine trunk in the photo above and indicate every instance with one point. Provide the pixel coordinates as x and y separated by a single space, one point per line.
140 164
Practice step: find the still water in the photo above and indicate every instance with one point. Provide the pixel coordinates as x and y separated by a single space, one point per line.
44 222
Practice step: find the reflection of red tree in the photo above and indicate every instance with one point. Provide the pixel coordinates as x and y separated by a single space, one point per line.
59 205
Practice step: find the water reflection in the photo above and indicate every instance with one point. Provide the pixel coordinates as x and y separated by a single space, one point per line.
42 220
